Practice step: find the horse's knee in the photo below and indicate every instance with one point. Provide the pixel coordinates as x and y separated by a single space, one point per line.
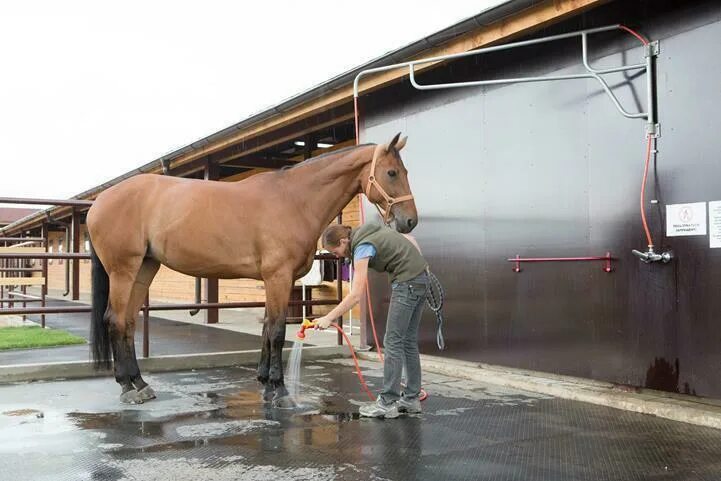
275 374
277 336
263 374
264 363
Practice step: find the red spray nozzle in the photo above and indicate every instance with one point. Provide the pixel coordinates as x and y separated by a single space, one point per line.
304 325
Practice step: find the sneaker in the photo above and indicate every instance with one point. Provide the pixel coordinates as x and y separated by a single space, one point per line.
410 406
379 410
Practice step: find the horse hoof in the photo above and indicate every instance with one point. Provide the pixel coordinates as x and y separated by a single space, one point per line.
146 394
131 397
284 402
268 393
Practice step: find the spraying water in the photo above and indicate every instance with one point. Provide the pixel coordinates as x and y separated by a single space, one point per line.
292 374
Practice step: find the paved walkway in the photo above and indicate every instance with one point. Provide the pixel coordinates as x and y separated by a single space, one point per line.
212 425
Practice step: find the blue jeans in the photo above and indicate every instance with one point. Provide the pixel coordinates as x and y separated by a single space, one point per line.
401 339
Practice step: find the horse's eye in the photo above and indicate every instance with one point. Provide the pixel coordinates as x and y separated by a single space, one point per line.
392 173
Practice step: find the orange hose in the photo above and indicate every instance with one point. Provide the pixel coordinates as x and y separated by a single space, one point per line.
634 33
355 360
423 395
646 230
373 322
643 192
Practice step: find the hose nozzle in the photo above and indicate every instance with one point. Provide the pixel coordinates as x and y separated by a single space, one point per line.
304 325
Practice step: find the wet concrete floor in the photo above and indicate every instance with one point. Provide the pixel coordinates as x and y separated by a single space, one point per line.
212 425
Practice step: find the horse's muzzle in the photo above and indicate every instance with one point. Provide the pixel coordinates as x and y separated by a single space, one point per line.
405 224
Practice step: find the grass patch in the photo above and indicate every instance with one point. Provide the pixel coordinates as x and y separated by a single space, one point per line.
35 336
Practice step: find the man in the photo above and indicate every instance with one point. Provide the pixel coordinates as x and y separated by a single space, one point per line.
385 250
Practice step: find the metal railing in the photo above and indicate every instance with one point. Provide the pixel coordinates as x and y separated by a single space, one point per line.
651 50
606 260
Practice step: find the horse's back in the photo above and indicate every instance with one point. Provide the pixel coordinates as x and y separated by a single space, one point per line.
196 227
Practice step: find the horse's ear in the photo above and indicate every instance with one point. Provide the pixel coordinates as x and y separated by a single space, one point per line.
401 143
393 142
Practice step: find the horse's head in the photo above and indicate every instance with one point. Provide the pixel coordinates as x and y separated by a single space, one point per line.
387 186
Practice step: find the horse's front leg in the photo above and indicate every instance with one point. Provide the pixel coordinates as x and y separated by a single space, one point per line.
277 289
264 364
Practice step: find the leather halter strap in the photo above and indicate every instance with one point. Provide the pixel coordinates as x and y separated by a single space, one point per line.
372 182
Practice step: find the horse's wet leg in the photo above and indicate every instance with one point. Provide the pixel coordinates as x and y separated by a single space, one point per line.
123 369
144 390
264 365
282 399
122 326
148 269
278 285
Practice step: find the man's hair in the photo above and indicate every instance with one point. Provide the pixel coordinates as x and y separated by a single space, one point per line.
333 234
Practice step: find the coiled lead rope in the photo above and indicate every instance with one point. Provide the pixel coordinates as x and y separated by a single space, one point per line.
434 299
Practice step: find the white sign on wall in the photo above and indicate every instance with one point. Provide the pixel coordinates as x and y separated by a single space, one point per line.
714 223
686 219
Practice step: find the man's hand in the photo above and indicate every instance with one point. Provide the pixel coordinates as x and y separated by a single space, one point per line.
323 323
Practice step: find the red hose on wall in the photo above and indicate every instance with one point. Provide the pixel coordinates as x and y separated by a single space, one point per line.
647 162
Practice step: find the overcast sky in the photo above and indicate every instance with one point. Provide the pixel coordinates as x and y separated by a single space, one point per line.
91 90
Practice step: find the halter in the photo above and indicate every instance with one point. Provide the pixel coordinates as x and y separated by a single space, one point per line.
390 201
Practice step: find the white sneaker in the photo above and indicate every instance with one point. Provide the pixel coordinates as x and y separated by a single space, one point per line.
410 406
379 410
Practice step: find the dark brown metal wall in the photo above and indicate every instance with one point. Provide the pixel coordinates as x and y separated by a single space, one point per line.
552 169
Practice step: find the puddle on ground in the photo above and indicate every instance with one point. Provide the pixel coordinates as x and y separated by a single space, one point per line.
226 428
234 415
230 468
24 412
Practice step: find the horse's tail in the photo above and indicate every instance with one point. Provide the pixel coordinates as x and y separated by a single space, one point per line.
99 329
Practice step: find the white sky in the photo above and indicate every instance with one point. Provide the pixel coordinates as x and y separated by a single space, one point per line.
99 88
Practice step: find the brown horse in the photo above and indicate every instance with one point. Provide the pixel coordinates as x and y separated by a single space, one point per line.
265 227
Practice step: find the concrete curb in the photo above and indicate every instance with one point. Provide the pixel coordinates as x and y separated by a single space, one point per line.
180 362
676 407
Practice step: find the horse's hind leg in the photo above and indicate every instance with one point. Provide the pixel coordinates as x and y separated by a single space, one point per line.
145 276
126 297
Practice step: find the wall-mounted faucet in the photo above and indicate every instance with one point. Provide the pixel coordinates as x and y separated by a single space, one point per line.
650 256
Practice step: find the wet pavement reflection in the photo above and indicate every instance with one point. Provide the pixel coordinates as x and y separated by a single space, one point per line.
213 424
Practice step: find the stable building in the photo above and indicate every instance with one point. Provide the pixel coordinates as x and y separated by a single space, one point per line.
529 192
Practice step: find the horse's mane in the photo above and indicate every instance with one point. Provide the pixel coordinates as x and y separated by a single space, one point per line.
323 156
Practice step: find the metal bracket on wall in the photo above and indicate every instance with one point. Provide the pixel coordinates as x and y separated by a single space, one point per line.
650 52
653 49
518 260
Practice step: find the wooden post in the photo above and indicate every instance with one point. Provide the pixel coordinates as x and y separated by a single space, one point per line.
23 290
3 264
211 295
45 234
310 145
339 270
211 172
75 246
11 288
